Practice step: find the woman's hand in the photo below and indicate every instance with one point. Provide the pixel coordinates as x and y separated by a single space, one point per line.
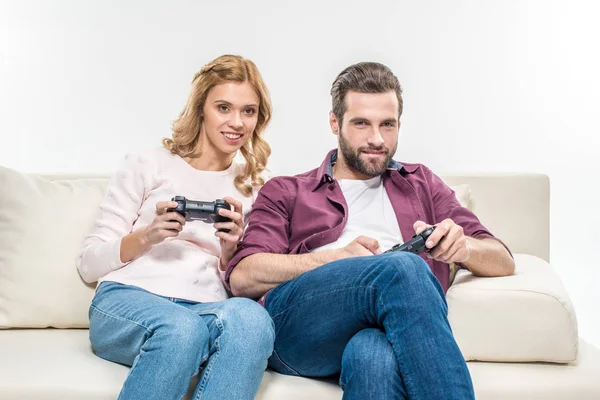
165 224
229 240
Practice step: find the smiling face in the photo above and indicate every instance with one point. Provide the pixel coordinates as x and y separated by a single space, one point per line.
230 114
368 135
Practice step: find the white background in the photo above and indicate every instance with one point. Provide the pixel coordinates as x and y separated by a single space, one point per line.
489 86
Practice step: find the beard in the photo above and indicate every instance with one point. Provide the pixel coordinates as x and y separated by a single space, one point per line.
370 168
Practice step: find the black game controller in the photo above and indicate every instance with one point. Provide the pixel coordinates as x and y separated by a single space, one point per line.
205 211
415 245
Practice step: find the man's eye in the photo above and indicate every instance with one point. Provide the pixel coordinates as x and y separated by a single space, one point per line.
360 123
388 125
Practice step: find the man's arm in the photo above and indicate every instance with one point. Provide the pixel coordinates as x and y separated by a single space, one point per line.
461 238
489 258
260 272
261 261
483 257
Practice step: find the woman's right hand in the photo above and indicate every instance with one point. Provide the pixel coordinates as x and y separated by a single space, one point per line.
164 225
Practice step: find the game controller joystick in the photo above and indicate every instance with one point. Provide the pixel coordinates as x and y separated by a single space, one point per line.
415 245
205 211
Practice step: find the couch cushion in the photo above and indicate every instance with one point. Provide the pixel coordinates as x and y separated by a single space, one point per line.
524 317
56 364
42 227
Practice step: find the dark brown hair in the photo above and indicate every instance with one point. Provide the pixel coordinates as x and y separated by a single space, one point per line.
364 77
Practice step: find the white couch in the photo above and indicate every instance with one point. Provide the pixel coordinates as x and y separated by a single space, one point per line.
504 326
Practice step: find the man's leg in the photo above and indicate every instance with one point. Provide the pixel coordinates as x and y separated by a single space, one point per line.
317 314
370 369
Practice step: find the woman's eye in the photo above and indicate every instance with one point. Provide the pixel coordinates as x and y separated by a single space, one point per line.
223 108
250 111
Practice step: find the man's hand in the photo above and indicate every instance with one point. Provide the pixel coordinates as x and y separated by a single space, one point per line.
448 242
361 246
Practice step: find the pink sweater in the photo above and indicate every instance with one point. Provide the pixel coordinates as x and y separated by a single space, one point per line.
184 267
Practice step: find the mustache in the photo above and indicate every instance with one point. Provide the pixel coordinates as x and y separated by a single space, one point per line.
371 148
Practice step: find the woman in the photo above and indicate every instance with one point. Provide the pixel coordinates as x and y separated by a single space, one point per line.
160 305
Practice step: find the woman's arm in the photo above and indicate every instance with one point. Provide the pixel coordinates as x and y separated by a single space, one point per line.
101 251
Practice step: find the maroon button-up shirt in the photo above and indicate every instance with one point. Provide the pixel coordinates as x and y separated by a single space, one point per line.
295 214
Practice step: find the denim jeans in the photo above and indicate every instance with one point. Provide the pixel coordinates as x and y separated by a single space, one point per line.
168 341
379 322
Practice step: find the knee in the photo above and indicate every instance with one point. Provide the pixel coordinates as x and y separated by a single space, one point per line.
409 266
368 355
369 349
248 325
183 334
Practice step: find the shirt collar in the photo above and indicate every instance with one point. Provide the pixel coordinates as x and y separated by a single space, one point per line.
325 171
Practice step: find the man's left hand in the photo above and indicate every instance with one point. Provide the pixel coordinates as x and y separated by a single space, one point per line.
448 242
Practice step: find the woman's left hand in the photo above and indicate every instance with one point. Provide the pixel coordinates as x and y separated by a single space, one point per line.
229 240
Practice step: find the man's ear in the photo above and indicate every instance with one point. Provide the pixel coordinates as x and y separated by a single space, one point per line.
333 122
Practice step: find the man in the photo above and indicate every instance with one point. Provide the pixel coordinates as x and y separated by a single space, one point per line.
312 254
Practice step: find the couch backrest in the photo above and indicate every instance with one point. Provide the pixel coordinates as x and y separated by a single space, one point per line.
514 207
44 220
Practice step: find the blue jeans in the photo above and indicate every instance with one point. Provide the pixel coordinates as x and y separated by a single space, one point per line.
168 341
379 322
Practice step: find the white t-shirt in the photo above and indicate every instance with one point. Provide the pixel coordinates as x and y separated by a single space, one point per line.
370 213
185 266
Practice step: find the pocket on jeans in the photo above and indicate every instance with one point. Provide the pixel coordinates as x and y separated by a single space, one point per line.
276 363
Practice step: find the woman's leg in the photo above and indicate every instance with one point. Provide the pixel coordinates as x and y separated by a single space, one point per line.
164 342
242 337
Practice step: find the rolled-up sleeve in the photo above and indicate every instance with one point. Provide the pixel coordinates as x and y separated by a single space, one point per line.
447 206
268 228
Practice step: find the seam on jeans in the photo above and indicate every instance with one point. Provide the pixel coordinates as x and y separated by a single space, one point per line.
406 379
107 314
216 312
316 297
217 343
292 370
368 288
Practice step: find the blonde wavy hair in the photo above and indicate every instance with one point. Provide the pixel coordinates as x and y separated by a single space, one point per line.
186 129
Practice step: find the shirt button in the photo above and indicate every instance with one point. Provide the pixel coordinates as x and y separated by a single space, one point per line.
215 289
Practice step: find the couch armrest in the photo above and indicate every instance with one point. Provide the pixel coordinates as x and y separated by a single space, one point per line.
521 318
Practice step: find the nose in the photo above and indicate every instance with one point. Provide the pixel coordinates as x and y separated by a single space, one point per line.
375 138
235 122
